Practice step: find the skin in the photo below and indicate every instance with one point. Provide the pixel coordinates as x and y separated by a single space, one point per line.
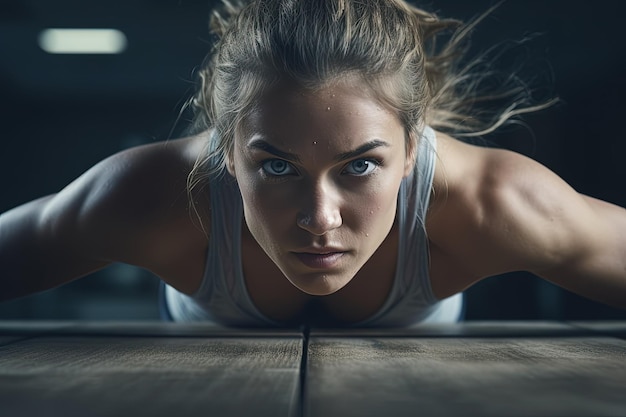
492 211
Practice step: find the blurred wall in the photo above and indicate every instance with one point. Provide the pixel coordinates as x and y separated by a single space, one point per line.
61 114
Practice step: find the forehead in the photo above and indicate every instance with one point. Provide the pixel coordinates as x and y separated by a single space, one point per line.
345 109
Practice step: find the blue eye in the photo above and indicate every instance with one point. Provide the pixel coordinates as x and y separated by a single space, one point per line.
277 167
360 167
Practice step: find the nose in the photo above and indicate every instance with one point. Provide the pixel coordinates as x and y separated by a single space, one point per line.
321 212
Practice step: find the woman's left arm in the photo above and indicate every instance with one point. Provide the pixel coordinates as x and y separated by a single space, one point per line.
534 221
501 212
595 266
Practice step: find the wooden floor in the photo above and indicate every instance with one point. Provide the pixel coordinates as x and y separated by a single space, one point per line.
164 369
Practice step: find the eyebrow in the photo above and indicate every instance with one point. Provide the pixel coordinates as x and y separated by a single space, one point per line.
262 145
366 147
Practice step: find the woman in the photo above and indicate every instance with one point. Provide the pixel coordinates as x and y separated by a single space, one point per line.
321 187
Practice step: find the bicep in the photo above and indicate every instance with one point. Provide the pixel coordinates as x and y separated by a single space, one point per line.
597 269
33 257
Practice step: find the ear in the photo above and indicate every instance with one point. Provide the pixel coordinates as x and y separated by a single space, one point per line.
230 164
411 153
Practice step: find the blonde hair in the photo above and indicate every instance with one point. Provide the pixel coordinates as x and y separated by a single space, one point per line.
390 45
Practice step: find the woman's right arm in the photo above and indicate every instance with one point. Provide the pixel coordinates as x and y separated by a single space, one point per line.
38 248
131 207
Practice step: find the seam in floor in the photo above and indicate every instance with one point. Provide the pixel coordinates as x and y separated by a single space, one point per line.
301 405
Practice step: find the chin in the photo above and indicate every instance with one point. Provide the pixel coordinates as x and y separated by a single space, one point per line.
319 286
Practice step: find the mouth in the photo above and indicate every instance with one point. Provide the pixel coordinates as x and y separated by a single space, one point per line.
319 260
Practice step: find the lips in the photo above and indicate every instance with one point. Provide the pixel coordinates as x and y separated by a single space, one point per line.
319 260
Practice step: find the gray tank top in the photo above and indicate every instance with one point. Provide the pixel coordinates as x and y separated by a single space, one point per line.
223 298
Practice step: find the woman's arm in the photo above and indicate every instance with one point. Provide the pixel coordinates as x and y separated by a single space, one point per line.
507 213
131 208
34 256
598 270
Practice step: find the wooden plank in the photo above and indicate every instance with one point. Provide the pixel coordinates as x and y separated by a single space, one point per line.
465 329
466 377
97 376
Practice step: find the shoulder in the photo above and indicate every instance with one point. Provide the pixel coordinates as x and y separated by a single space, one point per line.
496 211
139 184
133 207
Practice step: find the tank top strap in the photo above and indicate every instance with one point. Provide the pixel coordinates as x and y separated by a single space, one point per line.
411 298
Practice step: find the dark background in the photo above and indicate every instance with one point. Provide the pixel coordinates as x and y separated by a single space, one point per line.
60 114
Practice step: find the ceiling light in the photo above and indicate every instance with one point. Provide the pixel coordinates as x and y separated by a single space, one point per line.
82 41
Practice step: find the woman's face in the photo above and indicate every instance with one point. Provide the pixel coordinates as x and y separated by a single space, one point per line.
319 173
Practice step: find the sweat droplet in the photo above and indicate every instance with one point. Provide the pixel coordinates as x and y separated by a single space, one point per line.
367 235
327 108
314 142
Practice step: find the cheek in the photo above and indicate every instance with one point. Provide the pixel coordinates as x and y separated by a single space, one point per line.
375 206
266 206
265 199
